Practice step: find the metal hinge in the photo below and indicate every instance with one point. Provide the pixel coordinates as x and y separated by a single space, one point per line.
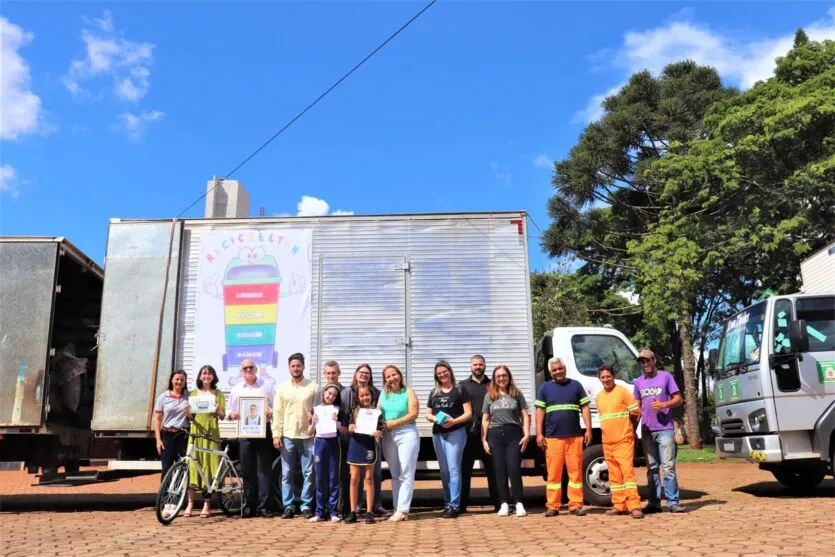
405 341
403 266
57 288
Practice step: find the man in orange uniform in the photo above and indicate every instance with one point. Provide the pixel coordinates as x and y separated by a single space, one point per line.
559 403
618 412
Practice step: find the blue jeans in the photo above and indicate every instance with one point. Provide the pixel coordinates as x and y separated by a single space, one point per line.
660 448
326 467
293 451
449 448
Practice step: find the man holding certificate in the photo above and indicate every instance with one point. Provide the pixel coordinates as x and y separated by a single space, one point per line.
256 455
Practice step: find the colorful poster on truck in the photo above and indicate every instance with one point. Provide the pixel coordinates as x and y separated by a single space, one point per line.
253 301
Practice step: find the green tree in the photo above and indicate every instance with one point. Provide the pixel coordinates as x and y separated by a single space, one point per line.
605 201
743 205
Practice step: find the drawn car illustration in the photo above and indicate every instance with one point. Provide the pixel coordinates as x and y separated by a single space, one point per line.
250 304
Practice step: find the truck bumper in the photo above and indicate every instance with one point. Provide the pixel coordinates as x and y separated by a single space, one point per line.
753 448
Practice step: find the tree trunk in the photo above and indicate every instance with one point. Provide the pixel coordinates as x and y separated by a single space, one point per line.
691 393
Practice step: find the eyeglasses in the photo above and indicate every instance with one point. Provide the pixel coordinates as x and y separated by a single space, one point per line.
248 368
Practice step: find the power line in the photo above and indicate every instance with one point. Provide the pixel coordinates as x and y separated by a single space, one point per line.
311 105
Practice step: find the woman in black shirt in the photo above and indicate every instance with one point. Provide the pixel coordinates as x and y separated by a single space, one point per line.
449 409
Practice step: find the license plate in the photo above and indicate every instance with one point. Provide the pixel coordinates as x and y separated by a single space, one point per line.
728 446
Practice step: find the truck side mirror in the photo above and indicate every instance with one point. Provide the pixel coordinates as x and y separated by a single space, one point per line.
798 336
712 357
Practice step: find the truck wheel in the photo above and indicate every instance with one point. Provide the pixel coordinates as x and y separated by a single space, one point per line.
801 480
596 477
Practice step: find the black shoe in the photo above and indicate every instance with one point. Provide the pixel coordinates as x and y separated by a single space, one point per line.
449 512
369 518
307 513
652 509
266 514
381 512
676 508
246 513
551 513
578 512
351 518
288 513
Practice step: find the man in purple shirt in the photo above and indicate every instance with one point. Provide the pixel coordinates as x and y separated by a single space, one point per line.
657 393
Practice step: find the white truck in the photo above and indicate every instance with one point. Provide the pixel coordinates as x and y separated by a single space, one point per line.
775 387
402 289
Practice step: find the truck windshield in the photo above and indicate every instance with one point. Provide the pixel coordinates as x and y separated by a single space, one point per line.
592 351
819 314
741 338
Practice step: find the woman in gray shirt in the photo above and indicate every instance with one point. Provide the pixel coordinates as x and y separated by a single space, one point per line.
505 431
171 416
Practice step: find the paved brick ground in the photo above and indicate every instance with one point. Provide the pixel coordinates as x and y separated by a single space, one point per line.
735 510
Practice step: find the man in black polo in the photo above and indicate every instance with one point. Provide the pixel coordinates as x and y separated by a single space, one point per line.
476 386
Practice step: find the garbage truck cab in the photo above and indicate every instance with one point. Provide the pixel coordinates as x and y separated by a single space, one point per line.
775 388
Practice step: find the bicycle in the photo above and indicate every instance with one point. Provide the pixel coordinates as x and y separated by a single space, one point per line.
173 490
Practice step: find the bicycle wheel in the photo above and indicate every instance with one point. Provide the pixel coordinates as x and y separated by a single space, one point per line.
230 493
172 493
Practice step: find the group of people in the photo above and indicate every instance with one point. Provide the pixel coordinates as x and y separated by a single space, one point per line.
478 418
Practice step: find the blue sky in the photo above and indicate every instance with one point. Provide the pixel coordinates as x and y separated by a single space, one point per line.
127 109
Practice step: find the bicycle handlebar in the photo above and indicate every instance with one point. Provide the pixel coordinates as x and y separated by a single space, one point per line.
199 435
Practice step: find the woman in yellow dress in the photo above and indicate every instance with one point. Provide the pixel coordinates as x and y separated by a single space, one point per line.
205 424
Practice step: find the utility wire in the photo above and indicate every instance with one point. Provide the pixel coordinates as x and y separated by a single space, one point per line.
311 105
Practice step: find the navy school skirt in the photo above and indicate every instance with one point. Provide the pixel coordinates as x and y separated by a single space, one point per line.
362 450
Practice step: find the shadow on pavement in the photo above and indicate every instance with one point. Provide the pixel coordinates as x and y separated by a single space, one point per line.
777 490
74 503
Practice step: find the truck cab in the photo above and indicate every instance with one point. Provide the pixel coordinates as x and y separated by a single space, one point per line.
584 349
775 388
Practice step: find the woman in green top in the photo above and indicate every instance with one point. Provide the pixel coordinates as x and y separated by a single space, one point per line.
205 424
401 441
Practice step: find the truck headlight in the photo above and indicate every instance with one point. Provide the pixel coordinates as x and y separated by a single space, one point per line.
758 421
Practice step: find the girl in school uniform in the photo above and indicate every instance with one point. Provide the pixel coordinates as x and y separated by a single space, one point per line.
362 453
326 456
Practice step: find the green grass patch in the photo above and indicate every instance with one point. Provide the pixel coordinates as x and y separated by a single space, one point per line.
703 455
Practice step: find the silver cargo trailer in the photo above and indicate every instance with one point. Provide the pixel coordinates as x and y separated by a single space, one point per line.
384 289
50 298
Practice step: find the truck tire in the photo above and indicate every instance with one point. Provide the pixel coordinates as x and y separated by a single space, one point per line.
596 477
800 480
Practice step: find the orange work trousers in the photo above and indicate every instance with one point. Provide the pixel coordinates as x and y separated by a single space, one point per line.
568 451
622 480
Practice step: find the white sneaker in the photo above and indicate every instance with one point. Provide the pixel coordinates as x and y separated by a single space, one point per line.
504 510
168 510
397 517
335 518
520 510
315 518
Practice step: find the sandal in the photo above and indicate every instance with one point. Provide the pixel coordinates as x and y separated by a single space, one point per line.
205 512
188 511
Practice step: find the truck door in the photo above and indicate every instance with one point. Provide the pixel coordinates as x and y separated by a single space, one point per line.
27 276
360 315
804 386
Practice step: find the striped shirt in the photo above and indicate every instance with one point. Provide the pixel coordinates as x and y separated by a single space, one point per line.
613 410
561 403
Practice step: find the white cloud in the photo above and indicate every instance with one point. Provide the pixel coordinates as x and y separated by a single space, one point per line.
133 125
741 63
109 55
543 161
310 206
9 183
20 108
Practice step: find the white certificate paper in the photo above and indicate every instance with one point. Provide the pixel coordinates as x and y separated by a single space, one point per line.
325 424
367 420
202 404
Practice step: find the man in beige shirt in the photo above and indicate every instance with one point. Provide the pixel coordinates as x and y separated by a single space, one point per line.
292 404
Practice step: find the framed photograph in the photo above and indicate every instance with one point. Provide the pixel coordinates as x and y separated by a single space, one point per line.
252 422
